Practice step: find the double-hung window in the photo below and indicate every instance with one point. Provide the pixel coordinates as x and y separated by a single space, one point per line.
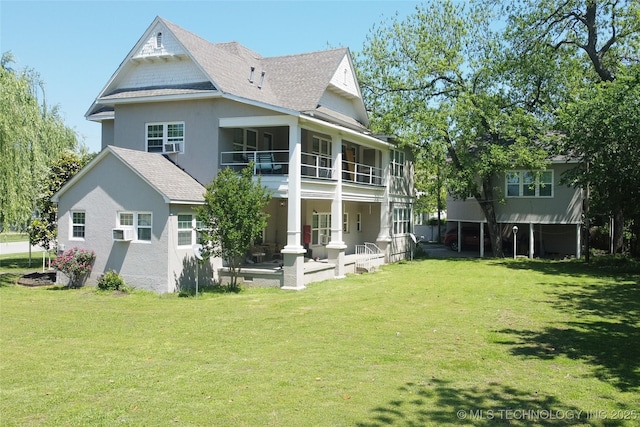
320 228
165 137
401 220
529 184
188 227
397 163
78 223
139 222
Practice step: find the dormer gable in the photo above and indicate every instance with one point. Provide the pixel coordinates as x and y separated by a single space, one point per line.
159 44
344 80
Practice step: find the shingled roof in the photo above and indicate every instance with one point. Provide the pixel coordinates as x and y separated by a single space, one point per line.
293 82
171 182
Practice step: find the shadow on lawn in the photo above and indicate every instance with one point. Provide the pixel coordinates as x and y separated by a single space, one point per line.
610 342
606 333
438 402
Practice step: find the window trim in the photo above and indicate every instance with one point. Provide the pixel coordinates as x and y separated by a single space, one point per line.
401 222
397 163
135 224
537 184
193 229
166 140
74 224
317 232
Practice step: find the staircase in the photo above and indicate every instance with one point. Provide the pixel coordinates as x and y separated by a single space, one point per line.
369 257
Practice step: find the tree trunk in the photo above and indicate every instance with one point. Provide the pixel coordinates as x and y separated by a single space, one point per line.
634 246
618 231
489 211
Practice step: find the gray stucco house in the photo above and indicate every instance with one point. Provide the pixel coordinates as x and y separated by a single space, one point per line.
547 214
179 108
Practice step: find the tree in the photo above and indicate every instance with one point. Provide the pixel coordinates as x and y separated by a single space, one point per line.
437 79
591 42
43 229
232 218
30 136
603 126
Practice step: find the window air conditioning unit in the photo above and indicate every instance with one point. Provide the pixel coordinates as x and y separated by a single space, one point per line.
324 239
122 234
173 147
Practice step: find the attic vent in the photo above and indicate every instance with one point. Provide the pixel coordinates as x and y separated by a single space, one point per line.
159 40
345 76
251 75
261 80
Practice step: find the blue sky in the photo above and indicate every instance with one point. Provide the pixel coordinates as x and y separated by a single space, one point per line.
76 46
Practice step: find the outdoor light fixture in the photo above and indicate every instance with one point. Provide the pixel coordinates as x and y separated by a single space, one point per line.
515 232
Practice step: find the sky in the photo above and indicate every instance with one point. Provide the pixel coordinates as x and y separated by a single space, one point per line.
76 46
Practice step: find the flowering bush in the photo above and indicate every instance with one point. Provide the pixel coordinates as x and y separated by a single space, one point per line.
75 263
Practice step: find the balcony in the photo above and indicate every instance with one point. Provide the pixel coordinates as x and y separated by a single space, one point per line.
276 162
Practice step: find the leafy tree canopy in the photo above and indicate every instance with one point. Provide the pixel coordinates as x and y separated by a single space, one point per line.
233 217
31 135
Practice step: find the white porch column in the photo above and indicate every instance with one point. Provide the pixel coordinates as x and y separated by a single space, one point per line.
578 241
336 247
481 240
531 242
293 252
383 241
459 236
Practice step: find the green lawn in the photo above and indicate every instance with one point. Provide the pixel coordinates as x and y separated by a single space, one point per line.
430 342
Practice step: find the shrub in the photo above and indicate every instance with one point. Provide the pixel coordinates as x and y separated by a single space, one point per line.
111 281
76 264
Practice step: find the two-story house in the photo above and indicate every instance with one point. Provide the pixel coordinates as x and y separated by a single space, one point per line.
179 108
547 214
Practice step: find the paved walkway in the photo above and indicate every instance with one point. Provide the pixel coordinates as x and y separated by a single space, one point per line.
441 251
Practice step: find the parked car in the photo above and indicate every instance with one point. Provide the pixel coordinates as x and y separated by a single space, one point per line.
470 238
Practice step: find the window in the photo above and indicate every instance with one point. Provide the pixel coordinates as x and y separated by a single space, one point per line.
244 140
397 163
322 148
321 228
77 224
165 137
144 226
401 220
140 222
345 222
185 230
358 221
529 184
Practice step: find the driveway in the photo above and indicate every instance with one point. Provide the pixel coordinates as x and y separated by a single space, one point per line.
17 247
435 250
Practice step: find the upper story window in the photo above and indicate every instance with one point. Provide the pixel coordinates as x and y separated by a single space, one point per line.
397 163
78 220
529 184
159 40
165 137
245 140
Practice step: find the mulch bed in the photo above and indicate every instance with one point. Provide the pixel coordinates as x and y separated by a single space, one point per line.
38 279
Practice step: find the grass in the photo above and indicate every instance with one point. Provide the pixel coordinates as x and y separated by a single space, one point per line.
430 342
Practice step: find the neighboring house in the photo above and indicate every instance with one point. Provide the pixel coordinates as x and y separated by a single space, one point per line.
179 108
548 214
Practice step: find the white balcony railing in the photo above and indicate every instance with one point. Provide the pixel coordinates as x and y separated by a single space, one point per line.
276 162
